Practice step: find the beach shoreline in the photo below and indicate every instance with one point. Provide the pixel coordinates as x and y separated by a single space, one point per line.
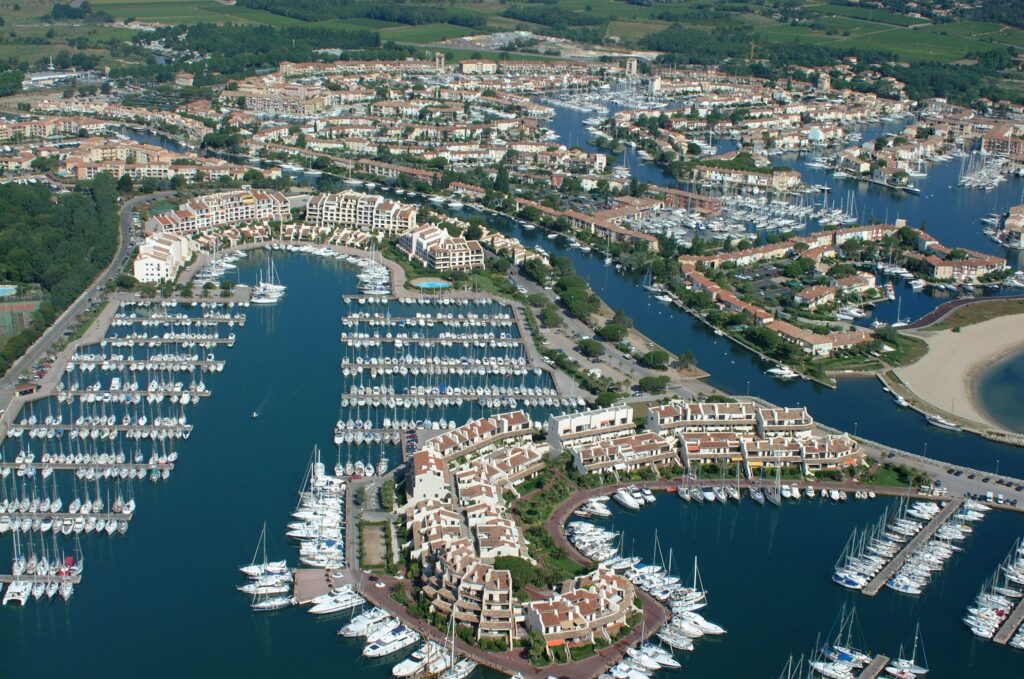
948 377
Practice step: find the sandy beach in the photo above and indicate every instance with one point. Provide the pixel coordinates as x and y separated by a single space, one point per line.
946 376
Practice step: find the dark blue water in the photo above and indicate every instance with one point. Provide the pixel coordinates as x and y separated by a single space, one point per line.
170 581
767 572
160 601
1002 391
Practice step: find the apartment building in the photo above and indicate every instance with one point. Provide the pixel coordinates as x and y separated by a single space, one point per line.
574 430
679 417
429 478
435 248
625 454
160 256
354 210
483 435
216 210
586 609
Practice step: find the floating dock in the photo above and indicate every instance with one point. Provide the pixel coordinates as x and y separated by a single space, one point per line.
874 668
1010 625
7 578
912 545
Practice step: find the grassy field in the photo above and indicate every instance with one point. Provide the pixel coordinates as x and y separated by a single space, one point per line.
425 33
636 29
910 44
979 312
865 13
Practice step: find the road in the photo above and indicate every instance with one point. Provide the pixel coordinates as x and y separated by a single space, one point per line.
612 363
37 351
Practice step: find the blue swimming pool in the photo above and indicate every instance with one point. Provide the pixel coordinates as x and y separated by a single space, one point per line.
433 285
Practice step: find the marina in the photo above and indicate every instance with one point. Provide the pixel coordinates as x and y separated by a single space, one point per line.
114 421
913 545
309 329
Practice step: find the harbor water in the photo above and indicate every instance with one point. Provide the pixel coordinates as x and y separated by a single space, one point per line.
171 578
767 573
1001 391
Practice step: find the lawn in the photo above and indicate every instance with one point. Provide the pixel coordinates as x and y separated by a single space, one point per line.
636 29
191 11
978 312
426 33
909 44
980 30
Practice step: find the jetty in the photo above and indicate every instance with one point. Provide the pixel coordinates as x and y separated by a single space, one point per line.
1010 625
7 578
912 545
874 668
311 583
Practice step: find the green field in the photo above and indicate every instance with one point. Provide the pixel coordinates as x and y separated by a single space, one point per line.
426 33
865 13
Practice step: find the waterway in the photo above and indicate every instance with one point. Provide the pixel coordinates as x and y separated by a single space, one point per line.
1001 392
858 405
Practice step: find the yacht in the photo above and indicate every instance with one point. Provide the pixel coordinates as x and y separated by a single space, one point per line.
396 640
943 423
363 623
626 499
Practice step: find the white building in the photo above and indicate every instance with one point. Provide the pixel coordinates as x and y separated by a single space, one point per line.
160 256
353 210
583 428
436 248
229 208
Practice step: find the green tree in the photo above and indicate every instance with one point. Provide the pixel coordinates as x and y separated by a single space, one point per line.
125 184
590 347
654 384
656 359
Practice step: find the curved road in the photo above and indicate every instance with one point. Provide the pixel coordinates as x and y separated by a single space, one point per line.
42 346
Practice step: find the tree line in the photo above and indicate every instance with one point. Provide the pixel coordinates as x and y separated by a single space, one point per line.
57 243
399 13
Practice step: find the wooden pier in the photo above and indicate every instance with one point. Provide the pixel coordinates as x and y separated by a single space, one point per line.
142 393
7 578
62 516
1010 625
142 468
912 545
138 341
84 430
157 363
461 339
122 320
874 668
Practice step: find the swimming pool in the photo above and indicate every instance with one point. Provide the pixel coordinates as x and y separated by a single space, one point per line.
432 285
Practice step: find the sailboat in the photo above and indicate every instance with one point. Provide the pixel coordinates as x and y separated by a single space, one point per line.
903 668
774 495
258 569
648 281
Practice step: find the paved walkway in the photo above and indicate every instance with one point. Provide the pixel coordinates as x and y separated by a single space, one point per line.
944 309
